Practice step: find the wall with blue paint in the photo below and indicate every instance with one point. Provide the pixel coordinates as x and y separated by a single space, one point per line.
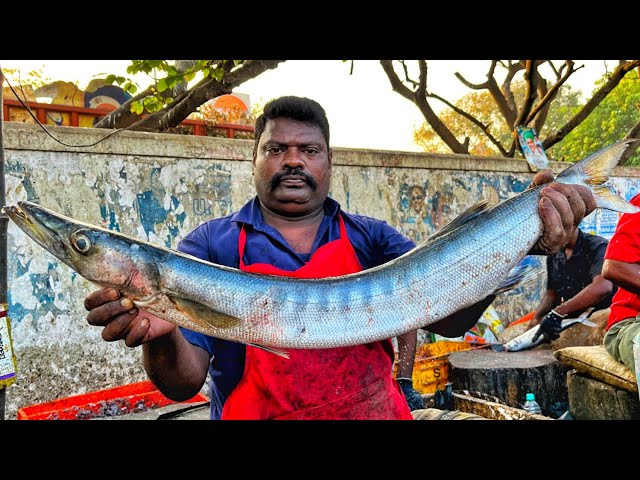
158 187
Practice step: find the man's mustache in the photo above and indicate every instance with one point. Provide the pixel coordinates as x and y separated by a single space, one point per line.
279 177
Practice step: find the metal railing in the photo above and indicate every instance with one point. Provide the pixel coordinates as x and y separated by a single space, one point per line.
70 116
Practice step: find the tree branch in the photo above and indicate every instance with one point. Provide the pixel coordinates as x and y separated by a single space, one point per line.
475 121
419 98
188 101
552 92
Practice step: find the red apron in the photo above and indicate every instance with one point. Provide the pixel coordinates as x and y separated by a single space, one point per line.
345 383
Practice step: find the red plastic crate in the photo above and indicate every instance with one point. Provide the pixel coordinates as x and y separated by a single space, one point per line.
132 398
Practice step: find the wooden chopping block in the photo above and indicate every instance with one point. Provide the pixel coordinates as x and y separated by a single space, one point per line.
509 376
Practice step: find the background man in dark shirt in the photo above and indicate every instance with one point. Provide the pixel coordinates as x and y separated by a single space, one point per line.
574 283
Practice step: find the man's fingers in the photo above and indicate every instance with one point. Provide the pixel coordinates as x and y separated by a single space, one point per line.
100 297
103 314
587 197
560 195
576 202
553 237
119 327
138 329
543 176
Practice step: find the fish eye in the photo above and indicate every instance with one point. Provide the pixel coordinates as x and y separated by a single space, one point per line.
81 242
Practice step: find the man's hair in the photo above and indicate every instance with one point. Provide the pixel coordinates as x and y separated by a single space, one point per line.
296 108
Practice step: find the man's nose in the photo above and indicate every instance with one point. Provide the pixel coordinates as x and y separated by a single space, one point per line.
293 158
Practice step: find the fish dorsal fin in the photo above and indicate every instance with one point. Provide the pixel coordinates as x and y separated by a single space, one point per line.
209 317
466 216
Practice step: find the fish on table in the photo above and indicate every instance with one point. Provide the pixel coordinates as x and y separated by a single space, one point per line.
453 269
525 341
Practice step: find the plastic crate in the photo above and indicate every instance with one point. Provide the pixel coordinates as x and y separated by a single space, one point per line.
110 402
431 365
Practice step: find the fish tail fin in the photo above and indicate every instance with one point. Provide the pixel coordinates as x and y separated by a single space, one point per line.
607 198
594 171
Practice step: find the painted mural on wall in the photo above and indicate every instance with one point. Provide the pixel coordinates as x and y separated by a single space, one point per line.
425 208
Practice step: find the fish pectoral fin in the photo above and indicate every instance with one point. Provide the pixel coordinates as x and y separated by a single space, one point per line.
519 275
280 353
210 317
202 314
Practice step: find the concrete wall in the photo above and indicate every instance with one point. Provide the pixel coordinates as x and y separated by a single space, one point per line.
158 187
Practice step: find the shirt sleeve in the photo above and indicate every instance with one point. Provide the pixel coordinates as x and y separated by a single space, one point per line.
390 242
196 243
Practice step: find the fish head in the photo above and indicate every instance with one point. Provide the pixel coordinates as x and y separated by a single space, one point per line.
104 257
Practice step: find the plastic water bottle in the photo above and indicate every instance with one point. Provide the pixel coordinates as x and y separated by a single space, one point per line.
530 405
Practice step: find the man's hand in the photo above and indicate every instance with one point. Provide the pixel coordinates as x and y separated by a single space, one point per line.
414 399
122 320
549 327
561 208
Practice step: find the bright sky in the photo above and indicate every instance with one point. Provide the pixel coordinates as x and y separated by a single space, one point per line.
363 111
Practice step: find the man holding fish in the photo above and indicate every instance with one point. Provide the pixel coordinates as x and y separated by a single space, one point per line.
293 228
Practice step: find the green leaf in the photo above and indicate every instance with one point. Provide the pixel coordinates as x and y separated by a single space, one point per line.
137 108
130 88
162 85
217 74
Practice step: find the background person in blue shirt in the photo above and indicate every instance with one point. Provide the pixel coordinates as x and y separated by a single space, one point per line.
293 228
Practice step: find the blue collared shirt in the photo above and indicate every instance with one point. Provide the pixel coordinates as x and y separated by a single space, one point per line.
374 241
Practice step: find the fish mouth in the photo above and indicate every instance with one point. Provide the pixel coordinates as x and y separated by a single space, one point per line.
40 225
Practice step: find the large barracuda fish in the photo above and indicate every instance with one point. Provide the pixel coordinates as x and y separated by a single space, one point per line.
455 268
